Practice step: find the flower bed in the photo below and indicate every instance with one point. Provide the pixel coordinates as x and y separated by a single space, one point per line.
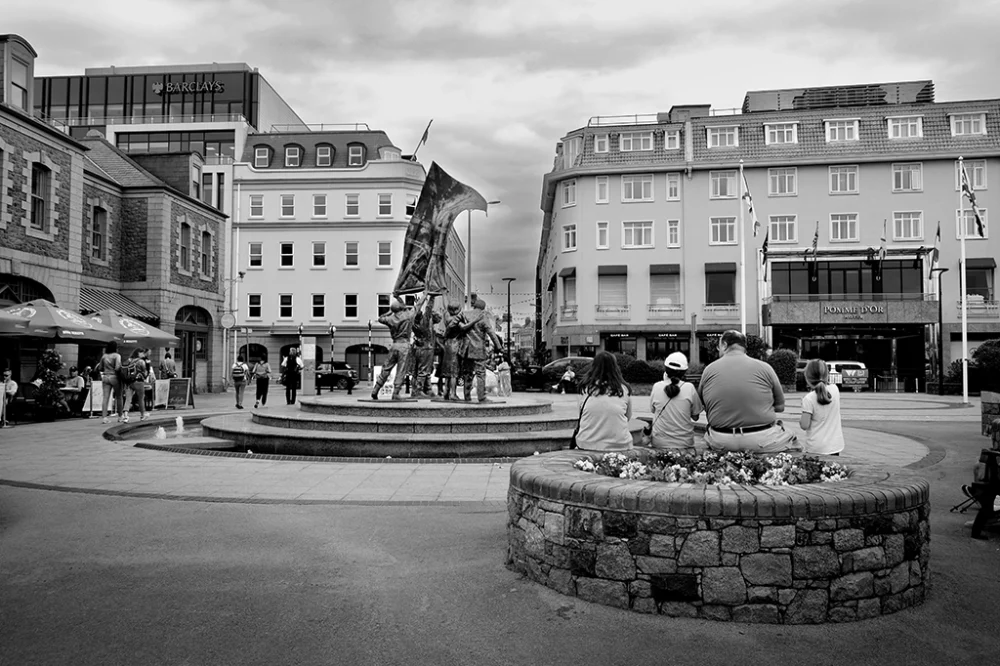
791 554
714 469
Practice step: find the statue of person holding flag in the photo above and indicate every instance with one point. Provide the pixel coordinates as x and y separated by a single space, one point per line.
400 323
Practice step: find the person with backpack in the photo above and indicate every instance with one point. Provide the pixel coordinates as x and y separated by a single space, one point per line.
291 372
262 374
240 373
675 406
132 377
108 367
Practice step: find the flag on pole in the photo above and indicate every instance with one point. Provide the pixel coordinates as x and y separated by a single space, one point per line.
881 249
970 194
936 253
763 254
423 139
815 244
749 200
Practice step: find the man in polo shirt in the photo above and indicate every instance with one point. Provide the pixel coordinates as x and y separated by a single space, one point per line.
741 397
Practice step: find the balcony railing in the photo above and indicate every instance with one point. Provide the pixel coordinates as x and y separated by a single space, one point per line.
791 298
155 120
568 312
976 308
662 311
721 310
611 311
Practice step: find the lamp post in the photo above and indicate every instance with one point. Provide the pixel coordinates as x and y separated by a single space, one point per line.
508 281
468 253
940 272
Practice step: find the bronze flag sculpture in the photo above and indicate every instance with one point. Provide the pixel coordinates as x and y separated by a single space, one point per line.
424 264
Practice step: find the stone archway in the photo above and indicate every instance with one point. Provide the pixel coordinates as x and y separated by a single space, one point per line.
193 325
253 353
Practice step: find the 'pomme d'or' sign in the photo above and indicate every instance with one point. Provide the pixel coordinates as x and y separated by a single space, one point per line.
853 309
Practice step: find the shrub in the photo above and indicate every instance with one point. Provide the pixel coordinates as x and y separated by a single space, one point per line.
48 394
696 368
784 362
986 360
757 348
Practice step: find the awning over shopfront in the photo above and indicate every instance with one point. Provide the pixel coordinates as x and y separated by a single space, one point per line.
722 267
93 300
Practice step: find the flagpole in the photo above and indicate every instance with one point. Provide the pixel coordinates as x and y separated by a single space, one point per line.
961 283
423 140
743 266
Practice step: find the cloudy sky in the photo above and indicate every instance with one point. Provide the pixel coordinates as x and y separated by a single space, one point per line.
505 79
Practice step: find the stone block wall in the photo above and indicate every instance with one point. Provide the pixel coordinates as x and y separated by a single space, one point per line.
834 552
134 238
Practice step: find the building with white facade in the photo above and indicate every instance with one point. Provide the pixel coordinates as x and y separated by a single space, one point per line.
319 229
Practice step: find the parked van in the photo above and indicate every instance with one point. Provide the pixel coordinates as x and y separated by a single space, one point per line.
848 374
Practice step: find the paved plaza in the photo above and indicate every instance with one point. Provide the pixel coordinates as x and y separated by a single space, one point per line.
111 554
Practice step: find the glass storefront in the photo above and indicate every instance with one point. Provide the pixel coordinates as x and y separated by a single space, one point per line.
853 280
217 146
661 345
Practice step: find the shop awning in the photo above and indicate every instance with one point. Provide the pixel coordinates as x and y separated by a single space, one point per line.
723 267
988 262
664 269
569 271
612 270
95 300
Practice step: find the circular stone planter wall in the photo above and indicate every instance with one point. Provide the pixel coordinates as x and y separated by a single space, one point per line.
829 552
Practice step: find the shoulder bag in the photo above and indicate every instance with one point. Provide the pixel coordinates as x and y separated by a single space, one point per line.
576 430
648 430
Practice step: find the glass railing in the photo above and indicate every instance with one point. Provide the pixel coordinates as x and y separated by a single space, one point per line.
885 296
611 311
153 120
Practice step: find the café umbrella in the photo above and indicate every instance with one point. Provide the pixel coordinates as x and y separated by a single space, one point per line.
44 319
133 332
11 324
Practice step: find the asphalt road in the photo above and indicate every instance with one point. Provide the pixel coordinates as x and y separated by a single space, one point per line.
101 580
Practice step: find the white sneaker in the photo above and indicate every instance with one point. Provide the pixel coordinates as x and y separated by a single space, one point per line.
144 417
125 419
105 420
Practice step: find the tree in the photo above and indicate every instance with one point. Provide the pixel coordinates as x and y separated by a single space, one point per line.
757 348
784 362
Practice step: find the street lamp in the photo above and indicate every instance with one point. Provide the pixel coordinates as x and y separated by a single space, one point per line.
508 281
468 254
940 272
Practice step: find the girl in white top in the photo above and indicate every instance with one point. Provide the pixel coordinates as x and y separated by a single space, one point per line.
605 407
821 412
675 405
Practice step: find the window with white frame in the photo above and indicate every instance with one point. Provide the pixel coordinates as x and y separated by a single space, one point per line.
411 204
907 177
673 187
843 227
324 156
286 255
600 143
569 237
384 254
671 140
781 182
569 193
293 156
351 254
723 184
99 234
319 306
783 229
384 204
284 306
319 254
976 170
352 205
350 306
637 188
907 225
637 234
601 190
355 155
256 205
968 124
383 304
629 142
256 254
603 242
843 180
780 133
253 306
971 231
571 151
673 233
905 127
319 205
261 156
841 130
287 205
722 230
723 137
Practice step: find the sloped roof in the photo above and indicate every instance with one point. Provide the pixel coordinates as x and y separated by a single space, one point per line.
116 165
373 140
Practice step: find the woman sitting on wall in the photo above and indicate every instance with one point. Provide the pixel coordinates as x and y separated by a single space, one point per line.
605 407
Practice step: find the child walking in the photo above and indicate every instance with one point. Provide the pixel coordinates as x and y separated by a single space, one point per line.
821 412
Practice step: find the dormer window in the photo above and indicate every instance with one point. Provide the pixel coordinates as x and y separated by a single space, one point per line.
293 156
780 133
723 137
324 156
261 157
845 129
905 127
355 155
968 124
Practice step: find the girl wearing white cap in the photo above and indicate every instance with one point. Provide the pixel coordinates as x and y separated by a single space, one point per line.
675 406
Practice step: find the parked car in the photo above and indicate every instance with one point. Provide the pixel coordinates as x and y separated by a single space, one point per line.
845 374
340 376
528 378
554 371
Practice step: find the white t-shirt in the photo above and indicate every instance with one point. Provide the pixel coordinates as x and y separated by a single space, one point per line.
604 423
825 434
674 428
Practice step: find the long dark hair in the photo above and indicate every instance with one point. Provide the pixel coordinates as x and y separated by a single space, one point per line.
675 377
604 377
111 348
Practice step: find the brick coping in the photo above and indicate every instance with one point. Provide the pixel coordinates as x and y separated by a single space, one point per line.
869 490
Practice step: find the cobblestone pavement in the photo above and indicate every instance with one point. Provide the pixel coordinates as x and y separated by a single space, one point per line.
72 455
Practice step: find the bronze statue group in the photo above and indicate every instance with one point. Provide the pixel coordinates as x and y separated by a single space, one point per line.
460 340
